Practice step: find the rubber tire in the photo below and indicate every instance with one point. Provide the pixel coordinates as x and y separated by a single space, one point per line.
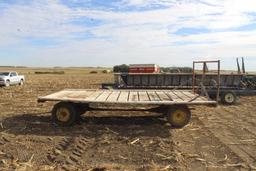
223 98
21 83
7 83
72 110
81 109
172 110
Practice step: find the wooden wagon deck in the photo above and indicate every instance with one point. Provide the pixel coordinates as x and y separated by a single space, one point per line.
158 97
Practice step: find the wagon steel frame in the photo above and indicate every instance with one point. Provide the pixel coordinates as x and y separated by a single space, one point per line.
173 103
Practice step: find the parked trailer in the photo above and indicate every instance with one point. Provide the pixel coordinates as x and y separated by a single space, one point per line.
172 103
231 85
175 80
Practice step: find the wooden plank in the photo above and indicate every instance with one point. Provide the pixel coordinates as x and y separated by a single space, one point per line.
127 97
153 96
133 96
174 96
143 96
187 95
194 96
82 94
66 94
163 96
166 93
94 95
104 96
178 95
114 96
181 95
123 97
191 95
59 94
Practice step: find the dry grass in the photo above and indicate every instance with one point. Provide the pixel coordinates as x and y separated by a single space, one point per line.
28 140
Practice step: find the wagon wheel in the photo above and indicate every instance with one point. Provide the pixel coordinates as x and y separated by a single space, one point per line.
64 114
178 116
228 98
7 83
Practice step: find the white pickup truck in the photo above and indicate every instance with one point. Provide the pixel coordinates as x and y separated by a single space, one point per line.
11 78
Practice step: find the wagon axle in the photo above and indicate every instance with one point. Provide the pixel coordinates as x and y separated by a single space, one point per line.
67 113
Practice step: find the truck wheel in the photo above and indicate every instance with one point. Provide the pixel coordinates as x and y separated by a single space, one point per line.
178 116
64 114
228 98
21 82
7 83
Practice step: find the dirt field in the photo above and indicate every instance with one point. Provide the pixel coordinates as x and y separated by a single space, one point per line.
222 138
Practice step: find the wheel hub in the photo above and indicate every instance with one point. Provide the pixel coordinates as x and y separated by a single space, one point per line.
229 98
63 114
179 116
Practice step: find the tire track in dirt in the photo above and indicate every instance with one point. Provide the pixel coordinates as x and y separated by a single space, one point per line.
202 150
247 123
68 152
244 112
59 150
236 137
231 134
78 149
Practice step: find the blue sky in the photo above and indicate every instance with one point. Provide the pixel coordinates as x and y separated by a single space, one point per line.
106 33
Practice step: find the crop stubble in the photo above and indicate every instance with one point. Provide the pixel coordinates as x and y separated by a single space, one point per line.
217 138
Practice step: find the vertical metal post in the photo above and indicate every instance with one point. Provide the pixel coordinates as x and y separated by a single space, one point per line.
218 82
204 73
204 67
193 78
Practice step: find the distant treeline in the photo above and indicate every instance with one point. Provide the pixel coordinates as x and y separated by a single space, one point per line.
125 68
49 72
13 67
121 68
176 69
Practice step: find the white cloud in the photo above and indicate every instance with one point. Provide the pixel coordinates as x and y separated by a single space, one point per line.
131 36
144 3
48 19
